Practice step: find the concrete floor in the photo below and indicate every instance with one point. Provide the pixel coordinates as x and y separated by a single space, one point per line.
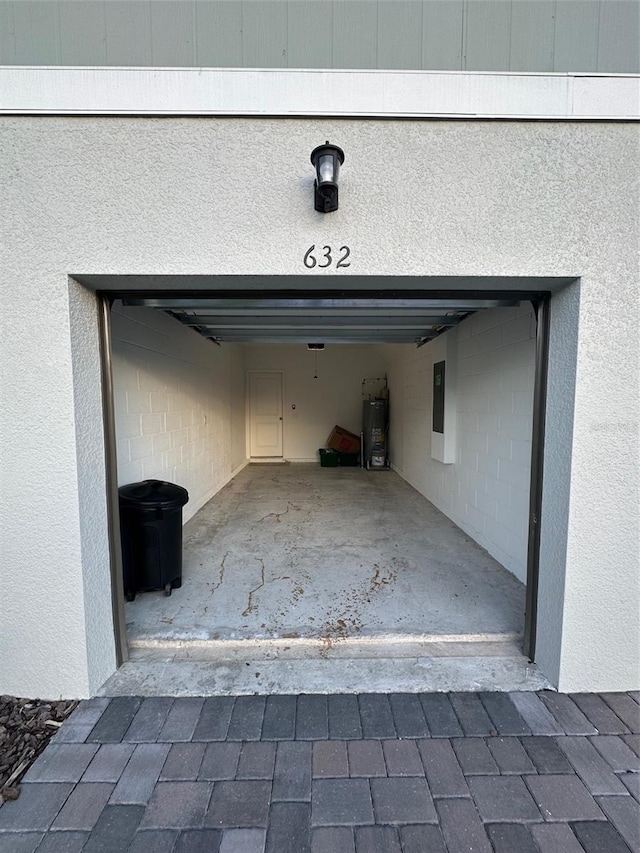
300 552
302 579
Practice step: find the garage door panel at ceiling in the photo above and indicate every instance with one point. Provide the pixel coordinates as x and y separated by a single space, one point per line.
314 320
310 321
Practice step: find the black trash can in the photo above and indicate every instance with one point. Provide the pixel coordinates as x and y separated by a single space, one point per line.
151 534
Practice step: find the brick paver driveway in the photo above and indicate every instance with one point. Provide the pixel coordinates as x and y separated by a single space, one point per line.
393 773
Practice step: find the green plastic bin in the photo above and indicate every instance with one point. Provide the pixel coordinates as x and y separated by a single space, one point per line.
328 458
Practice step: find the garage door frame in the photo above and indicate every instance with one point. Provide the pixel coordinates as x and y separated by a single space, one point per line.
541 304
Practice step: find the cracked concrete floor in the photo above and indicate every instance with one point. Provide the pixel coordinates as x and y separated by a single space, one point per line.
299 551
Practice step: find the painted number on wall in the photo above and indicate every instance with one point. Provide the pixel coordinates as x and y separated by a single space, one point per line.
323 257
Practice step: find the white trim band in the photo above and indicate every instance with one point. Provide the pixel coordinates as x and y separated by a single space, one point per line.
274 92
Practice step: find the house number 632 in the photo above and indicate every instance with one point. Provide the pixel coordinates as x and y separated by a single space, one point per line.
323 258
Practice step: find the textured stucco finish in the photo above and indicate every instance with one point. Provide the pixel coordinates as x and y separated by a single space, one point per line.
561 381
90 468
194 196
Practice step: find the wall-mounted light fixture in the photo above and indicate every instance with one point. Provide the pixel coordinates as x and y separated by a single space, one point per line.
327 160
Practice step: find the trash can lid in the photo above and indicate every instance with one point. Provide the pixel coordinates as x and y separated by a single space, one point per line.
153 493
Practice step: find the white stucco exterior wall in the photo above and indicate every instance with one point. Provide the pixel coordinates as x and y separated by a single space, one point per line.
43 611
179 404
192 196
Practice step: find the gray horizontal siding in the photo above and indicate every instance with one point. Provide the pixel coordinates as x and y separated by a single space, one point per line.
464 35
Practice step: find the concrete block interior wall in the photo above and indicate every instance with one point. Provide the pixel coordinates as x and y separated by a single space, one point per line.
333 398
179 402
486 491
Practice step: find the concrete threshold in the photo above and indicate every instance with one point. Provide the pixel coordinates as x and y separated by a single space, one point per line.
393 664
380 646
339 675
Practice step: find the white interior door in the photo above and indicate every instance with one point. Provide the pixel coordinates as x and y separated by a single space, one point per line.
265 408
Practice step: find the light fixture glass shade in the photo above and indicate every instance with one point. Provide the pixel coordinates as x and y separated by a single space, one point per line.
327 169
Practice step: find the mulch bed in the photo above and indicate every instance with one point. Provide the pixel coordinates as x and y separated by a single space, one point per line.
26 725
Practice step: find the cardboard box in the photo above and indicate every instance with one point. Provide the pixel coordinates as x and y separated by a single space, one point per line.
343 441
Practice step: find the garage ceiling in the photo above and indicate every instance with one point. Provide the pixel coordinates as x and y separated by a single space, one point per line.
302 320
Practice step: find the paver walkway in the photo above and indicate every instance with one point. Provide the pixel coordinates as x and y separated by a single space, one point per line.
374 773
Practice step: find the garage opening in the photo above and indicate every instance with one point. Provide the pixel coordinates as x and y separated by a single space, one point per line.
428 559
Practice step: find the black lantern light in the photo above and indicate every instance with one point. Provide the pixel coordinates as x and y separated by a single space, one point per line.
327 160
